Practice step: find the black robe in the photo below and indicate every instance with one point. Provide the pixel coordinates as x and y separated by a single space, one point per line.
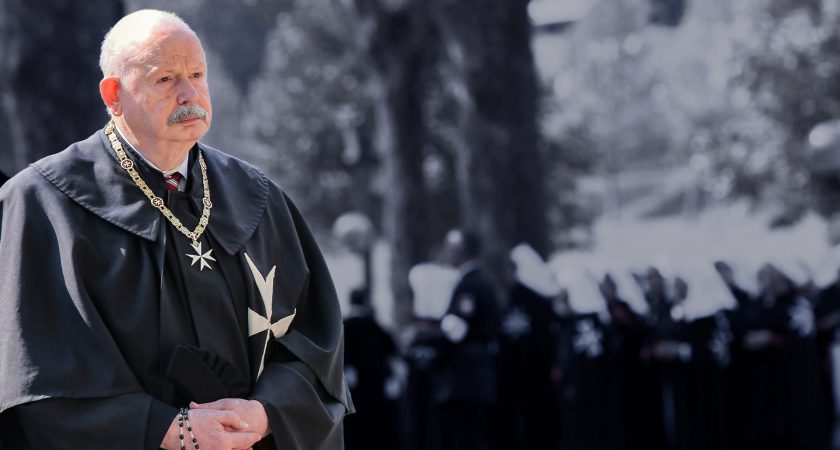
585 385
465 382
97 299
827 312
424 359
525 409
369 356
779 399
468 368
635 383
703 426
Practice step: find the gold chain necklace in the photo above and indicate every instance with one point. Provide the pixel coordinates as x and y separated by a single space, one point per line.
128 165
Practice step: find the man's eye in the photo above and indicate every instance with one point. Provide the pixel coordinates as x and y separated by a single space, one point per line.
163 80
197 75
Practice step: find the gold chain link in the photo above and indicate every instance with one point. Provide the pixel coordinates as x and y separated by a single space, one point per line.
157 202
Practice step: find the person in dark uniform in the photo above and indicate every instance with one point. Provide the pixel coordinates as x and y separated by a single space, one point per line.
372 368
758 369
466 384
431 286
661 350
629 331
584 379
827 312
740 318
423 358
686 354
807 417
775 369
704 423
525 410
667 353
706 418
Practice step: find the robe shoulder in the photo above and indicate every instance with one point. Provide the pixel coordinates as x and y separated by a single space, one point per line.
41 289
27 184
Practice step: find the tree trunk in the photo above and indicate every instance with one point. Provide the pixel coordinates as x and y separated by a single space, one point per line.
488 43
49 75
400 48
501 166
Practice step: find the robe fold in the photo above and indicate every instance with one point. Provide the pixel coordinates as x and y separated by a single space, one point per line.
106 317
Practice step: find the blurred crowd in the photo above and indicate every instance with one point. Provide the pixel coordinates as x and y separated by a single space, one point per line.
762 373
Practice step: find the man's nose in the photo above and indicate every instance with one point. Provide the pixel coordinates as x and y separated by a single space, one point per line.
187 93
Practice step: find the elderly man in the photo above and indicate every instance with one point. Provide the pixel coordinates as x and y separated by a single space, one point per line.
156 292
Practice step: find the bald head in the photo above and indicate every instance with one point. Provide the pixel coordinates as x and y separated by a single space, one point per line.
127 43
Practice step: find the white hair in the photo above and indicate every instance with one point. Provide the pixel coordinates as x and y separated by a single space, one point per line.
120 45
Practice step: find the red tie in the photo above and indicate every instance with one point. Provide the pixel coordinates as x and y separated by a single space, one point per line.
172 181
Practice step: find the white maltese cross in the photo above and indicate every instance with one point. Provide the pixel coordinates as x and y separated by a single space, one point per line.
199 256
257 323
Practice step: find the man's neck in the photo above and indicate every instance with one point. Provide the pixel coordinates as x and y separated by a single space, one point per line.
165 156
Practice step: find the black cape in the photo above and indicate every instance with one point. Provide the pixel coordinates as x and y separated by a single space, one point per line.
83 258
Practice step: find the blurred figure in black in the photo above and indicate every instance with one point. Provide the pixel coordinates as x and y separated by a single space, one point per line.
375 374
3 178
709 333
667 353
584 375
654 286
656 324
808 418
736 373
827 312
526 411
686 355
630 332
706 419
759 326
423 357
779 402
466 385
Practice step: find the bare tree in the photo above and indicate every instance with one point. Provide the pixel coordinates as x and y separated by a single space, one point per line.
397 36
502 181
485 48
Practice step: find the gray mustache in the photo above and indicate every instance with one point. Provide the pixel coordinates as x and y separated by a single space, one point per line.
183 112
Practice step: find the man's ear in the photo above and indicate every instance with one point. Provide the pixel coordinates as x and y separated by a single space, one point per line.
109 89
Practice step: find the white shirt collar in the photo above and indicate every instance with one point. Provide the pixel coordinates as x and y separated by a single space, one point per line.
182 168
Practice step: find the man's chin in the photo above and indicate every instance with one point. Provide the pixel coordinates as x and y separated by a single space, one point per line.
190 130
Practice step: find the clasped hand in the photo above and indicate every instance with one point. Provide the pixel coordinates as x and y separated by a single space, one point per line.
227 424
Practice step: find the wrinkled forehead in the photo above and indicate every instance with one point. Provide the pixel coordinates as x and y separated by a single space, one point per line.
166 48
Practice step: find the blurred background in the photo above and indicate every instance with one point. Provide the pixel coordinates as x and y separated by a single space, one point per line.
670 168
